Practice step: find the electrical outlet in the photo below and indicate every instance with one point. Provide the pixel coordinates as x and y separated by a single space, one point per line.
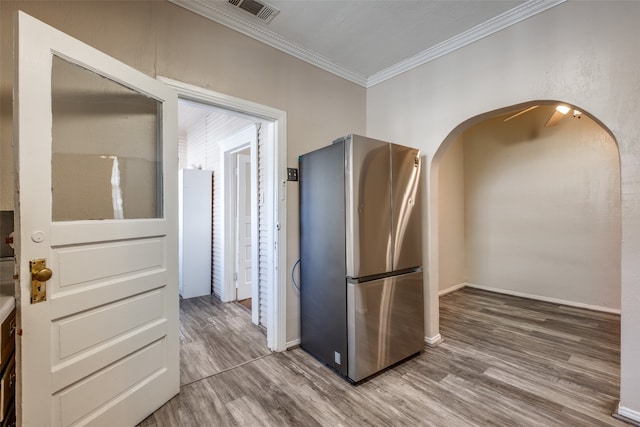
292 174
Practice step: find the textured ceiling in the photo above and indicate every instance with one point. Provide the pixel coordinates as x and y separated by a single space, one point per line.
368 41
369 36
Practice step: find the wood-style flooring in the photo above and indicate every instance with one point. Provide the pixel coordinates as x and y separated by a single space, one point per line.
504 361
215 337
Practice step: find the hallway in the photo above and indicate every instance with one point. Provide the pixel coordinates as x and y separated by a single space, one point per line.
215 337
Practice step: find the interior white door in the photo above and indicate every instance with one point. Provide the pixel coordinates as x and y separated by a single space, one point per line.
96 157
244 227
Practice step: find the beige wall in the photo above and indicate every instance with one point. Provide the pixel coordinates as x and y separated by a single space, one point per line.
532 210
451 238
583 53
161 39
542 208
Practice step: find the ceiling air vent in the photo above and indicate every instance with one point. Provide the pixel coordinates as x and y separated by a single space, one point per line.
259 9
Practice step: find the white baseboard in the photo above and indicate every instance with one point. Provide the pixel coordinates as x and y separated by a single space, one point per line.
627 415
452 289
290 344
433 341
546 299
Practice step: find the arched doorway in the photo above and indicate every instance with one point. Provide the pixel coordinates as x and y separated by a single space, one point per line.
529 205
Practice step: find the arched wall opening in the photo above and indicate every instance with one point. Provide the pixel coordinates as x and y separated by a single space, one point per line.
526 209
558 54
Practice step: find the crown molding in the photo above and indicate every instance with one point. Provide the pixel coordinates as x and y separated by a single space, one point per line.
500 22
226 17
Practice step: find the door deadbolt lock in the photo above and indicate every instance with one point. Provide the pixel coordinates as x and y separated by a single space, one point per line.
39 276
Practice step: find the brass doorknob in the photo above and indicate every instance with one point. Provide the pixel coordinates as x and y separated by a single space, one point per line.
42 275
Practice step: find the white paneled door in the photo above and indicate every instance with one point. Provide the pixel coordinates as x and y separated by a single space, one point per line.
96 202
245 254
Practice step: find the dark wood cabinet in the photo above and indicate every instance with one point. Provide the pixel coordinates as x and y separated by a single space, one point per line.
8 371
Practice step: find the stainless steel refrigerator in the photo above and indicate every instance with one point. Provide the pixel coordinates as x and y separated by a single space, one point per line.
361 291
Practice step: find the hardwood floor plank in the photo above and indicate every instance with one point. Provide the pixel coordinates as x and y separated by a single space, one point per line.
247 412
594 364
215 336
580 400
504 361
457 363
498 408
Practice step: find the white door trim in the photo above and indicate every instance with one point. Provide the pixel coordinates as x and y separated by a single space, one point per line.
276 198
228 151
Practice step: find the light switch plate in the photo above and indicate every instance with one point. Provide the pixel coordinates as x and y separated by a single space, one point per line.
292 174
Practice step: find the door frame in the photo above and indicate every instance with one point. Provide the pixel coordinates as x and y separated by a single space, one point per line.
275 196
229 149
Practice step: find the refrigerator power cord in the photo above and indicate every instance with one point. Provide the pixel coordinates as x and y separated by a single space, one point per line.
293 279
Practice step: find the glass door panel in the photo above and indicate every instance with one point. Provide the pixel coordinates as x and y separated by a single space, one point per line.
106 161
